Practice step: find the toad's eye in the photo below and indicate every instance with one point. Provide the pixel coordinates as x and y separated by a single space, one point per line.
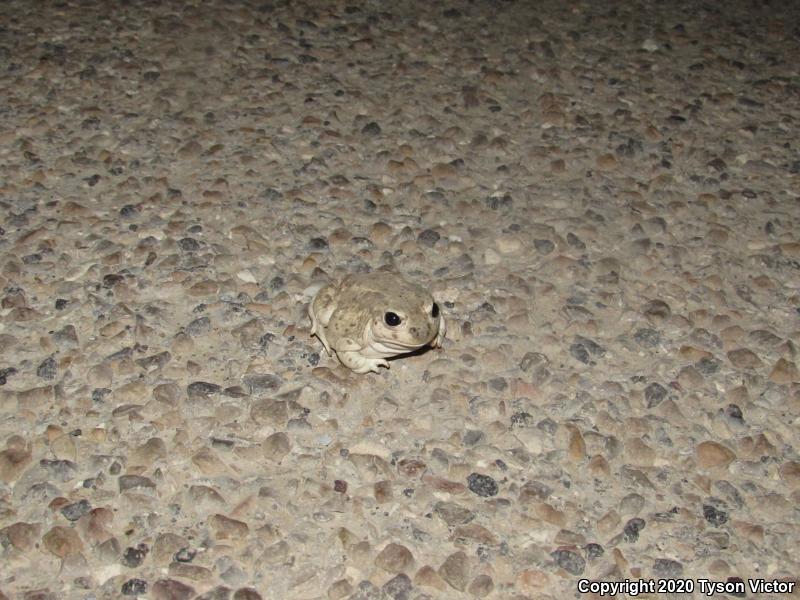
392 319
435 310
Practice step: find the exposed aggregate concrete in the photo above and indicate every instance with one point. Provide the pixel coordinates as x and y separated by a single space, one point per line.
603 196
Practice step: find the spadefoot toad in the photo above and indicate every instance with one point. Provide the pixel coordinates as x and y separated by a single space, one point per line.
367 318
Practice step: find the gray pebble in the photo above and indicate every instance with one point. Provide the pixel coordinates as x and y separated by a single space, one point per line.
48 368
134 587
371 129
74 511
665 568
632 528
649 338
654 394
428 237
544 246
483 485
571 562
202 389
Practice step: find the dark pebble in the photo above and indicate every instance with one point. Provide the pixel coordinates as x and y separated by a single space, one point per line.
483 485
629 148
591 346
544 246
61 303
594 550
532 360
122 354
574 241
112 279
271 194
134 587
727 489
317 244
707 365
495 203
99 394
258 384
398 587
188 244
579 353
654 394
718 164
366 590
428 237
133 557
734 412
199 326
714 516
472 437
521 419
569 561
498 384
5 373
74 511
48 368
202 389
371 129
632 529
129 211
649 338
665 568
658 309
132 482
62 470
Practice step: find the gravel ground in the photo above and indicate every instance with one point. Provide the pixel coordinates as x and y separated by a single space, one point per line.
603 196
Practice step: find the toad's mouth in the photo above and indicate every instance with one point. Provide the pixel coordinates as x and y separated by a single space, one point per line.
384 345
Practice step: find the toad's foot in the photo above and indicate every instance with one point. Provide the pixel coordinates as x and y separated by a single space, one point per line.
360 364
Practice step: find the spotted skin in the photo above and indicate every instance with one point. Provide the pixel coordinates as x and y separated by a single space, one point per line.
350 319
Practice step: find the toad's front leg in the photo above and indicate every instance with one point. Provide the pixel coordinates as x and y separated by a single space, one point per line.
360 364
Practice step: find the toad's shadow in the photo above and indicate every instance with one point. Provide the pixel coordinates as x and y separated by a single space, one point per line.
417 352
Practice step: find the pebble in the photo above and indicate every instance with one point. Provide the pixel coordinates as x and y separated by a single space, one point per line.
23 536
784 372
666 568
654 394
171 589
710 454
482 485
134 587
632 529
744 358
62 541
570 561
455 570
395 558
13 461
225 528
74 511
